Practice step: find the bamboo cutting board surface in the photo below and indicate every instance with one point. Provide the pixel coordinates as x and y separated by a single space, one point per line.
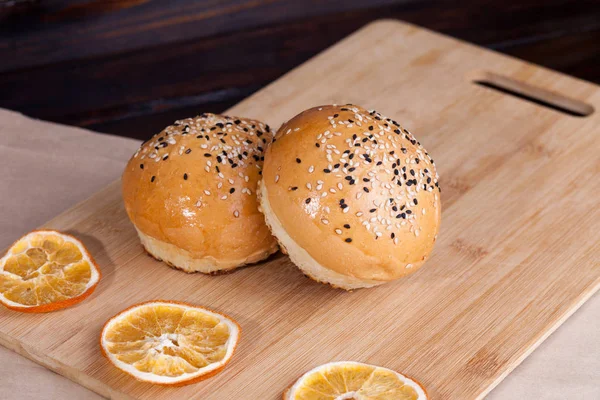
518 252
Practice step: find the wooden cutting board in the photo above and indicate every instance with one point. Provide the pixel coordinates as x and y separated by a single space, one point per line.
517 254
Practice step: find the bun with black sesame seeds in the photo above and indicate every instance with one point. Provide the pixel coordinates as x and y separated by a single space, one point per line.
351 196
190 192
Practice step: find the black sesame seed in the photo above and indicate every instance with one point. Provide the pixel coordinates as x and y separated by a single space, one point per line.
415 201
317 145
298 160
348 240
141 166
366 189
152 179
207 155
408 211
372 210
371 127
185 177
231 190
188 151
307 200
347 226
336 115
393 235
326 170
294 188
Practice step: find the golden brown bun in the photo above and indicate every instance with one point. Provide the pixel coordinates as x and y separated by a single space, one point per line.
190 191
351 195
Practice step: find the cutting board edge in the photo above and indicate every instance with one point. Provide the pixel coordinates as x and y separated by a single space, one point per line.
56 366
542 338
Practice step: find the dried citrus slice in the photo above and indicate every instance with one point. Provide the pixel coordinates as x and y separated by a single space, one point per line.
169 343
45 271
352 380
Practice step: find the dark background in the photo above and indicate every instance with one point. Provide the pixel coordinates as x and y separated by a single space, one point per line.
131 67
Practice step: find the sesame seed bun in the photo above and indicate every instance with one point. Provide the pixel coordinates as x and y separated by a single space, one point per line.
351 196
190 191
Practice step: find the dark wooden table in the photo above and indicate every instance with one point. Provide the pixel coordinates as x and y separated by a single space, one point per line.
131 67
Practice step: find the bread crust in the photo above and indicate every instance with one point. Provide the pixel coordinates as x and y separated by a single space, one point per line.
355 190
190 191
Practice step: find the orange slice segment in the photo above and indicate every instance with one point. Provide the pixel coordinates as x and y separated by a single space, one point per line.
169 343
46 271
353 380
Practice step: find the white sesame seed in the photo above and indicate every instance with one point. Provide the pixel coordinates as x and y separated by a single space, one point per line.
206 192
309 186
325 221
338 231
236 213
276 178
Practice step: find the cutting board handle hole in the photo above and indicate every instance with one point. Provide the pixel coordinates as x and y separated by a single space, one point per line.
536 95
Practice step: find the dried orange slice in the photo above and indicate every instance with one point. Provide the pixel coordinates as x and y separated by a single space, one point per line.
45 271
353 380
169 343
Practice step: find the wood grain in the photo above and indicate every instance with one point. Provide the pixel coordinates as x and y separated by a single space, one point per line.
131 67
518 251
